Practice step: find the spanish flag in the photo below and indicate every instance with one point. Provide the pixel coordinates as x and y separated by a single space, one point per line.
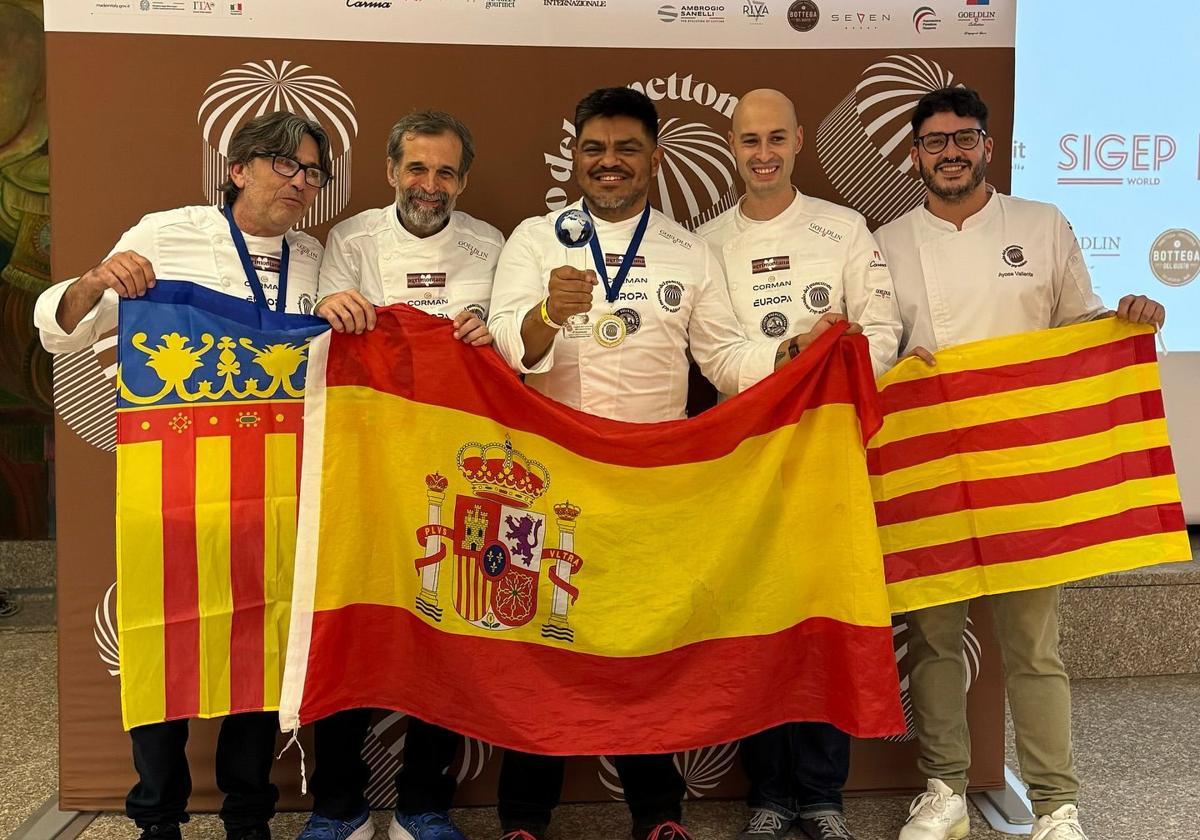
209 416
1023 462
487 559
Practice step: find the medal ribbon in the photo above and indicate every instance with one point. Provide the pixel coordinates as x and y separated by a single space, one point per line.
239 242
611 290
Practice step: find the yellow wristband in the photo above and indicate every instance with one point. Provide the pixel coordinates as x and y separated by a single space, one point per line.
546 319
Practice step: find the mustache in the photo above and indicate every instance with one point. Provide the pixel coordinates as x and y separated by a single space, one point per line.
953 161
415 193
608 170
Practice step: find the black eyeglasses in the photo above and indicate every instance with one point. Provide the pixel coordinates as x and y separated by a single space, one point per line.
314 176
965 138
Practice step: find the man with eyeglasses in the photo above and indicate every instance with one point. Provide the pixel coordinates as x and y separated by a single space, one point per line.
420 251
247 249
969 264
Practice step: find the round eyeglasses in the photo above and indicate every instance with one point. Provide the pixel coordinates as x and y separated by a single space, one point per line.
965 138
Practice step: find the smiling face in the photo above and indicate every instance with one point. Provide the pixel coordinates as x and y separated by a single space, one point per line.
270 204
953 174
765 140
427 180
615 158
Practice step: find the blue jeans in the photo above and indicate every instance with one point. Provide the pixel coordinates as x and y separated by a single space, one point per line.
797 768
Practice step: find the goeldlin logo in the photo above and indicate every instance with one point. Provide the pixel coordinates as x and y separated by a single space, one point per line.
695 182
757 12
925 19
1136 159
259 87
1100 245
863 143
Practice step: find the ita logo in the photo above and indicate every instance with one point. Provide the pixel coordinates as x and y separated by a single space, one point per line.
696 180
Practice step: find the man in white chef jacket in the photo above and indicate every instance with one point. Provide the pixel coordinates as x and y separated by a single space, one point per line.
277 164
616 347
791 260
420 251
970 264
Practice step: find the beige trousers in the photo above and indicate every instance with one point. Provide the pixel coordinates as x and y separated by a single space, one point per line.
1039 693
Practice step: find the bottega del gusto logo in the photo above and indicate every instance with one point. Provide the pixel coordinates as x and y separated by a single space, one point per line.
695 182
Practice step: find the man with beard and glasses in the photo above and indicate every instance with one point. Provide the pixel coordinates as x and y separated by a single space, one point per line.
422 252
792 262
971 264
249 250
617 350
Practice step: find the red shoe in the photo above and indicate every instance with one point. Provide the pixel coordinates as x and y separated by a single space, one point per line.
669 830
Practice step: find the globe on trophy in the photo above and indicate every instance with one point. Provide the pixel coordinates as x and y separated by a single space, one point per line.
574 228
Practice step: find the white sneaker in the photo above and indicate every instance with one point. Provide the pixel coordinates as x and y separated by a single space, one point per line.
938 814
1063 824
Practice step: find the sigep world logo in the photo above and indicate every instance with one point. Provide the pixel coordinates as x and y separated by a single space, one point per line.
1114 159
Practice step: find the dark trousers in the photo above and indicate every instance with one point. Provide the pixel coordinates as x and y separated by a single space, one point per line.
531 785
797 768
245 753
340 781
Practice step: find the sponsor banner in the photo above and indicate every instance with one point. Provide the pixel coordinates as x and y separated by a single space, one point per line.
186 96
729 24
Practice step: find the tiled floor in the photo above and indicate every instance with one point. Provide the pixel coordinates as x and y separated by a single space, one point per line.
1137 744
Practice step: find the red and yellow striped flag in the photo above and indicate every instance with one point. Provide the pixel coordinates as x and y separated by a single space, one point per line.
492 561
1022 462
209 416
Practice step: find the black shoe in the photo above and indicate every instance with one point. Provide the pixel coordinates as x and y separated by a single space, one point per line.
161 831
254 832
825 825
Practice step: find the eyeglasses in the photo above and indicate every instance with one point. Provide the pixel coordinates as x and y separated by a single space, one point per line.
965 138
314 176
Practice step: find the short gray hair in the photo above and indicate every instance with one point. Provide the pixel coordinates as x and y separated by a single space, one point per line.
431 124
279 133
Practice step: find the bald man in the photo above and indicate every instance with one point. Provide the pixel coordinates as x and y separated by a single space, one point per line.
793 263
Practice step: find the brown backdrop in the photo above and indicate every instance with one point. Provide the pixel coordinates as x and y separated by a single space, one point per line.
123 113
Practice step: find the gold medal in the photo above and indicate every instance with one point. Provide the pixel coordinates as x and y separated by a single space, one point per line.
610 330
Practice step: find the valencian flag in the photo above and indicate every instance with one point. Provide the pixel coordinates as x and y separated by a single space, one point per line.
209 414
1023 462
489 560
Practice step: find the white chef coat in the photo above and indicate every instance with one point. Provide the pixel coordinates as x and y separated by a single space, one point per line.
1014 267
674 296
190 243
442 274
814 257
